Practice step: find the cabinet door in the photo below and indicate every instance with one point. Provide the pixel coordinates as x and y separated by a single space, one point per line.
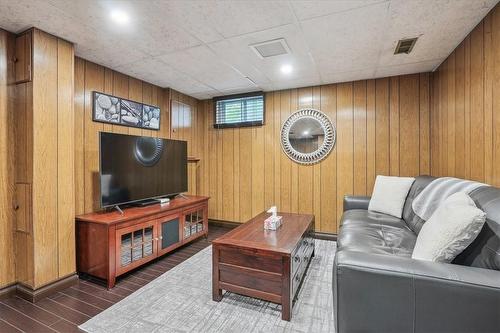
168 234
23 57
195 222
135 246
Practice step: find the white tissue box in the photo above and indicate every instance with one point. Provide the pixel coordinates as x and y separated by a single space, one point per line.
272 223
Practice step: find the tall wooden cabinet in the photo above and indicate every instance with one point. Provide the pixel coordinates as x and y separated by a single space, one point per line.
44 158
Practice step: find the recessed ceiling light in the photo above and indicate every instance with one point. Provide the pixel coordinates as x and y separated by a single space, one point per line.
286 69
119 16
305 133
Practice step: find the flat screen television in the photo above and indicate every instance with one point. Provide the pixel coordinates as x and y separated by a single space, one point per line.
137 168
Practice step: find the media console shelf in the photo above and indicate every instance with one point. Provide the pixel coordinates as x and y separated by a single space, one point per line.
109 244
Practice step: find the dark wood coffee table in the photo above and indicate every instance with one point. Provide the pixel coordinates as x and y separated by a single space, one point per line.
265 264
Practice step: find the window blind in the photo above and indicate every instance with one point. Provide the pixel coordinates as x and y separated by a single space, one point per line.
239 111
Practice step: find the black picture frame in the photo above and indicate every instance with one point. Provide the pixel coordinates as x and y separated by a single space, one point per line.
103 114
112 110
154 109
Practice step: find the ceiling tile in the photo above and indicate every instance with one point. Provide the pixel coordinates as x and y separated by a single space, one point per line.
440 26
233 18
346 42
157 72
201 63
190 16
237 52
310 9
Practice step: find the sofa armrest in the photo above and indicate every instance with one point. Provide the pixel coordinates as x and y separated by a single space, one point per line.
356 202
376 293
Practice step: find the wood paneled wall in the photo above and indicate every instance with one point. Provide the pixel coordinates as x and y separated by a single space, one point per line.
382 128
187 124
465 114
7 267
91 77
180 124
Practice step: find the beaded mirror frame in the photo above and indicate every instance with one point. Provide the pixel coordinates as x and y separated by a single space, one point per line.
320 153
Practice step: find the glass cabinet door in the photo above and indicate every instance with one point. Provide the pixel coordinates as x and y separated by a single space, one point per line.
193 223
136 244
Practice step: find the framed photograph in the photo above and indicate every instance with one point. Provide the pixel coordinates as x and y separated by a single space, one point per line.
114 110
151 117
106 108
131 113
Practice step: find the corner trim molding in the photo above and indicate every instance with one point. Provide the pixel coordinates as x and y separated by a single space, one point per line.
34 295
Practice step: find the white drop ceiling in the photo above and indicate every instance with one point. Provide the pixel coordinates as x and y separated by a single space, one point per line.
201 48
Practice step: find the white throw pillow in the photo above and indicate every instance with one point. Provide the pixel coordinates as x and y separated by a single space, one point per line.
389 194
451 228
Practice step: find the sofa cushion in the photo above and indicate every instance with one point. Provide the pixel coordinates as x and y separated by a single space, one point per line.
367 217
413 221
484 251
389 194
366 231
451 228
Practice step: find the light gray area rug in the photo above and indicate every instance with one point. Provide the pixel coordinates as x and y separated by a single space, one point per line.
181 301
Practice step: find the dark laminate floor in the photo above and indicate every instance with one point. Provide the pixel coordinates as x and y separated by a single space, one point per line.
67 309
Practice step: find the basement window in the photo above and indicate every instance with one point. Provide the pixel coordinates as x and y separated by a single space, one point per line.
239 110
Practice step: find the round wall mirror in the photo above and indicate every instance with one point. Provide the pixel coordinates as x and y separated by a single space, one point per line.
307 136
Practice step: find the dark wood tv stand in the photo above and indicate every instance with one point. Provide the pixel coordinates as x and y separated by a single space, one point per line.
109 244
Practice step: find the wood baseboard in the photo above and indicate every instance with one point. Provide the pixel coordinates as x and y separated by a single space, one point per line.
325 236
34 295
225 224
8 291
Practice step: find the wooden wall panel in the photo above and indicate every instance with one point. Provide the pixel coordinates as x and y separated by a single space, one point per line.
409 117
45 159
465 99
477 103
371 135
79 139
7 173
246 170
394 126
382 140
360 136
424 118
495 41
345 144
65 159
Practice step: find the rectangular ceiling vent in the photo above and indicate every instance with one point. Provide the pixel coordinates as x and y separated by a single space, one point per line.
405 46
271 48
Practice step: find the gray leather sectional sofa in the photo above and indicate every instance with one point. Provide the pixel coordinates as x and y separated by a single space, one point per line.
377 287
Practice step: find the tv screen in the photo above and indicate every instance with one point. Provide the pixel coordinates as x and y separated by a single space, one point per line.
135 168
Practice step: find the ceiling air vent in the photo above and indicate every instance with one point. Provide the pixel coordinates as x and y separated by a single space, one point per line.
271 48
405 46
